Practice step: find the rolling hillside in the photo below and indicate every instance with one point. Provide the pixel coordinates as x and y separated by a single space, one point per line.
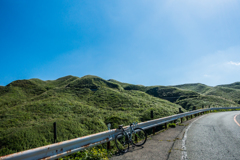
80 106
195 87
228 92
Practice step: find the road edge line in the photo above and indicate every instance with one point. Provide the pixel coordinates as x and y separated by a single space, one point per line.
184 149
236 120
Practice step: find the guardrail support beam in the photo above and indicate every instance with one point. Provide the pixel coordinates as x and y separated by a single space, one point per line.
153 130
136 139
55 131
108 145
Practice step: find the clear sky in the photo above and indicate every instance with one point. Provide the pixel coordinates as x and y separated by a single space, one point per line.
151 42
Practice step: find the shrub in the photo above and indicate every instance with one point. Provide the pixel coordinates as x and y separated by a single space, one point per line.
172 125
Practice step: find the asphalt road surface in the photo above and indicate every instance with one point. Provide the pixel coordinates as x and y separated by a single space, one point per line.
213 136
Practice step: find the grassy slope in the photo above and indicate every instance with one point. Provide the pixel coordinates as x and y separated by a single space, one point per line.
80 106
229 92
235 85
170 93
193 95
204 101
196 87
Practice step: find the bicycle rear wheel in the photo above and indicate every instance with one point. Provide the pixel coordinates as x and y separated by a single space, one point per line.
122 142
139 137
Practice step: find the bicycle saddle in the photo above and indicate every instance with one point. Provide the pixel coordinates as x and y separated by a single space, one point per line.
120 126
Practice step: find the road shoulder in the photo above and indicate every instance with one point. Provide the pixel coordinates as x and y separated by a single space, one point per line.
163 145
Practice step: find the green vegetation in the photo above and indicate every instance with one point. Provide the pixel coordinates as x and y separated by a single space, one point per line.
195 87
202 101
235 85
79 106
224 92
83 106
89 154
172 125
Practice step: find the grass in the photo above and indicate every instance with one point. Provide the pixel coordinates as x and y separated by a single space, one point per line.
195 87
172 125
94 153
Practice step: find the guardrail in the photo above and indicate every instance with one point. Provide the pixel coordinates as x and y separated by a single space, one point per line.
65 148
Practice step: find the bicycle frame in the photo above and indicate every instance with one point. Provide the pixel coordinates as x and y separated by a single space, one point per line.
131 130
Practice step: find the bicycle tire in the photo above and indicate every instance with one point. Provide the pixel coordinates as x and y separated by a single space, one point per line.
139 137
122 143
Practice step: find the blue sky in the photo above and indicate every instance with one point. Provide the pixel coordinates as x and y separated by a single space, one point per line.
140 42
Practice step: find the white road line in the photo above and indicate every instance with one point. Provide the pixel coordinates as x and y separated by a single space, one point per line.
236 120
184 149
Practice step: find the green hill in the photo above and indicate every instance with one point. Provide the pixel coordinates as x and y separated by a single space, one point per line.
204 101
235 85
170 93
80 106
195 87
192 95
224 92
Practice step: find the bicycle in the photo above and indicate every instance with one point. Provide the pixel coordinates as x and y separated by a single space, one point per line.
125 138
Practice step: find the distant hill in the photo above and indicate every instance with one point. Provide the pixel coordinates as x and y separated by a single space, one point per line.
225 92
189 95
196 87
171 94
229 92
235 85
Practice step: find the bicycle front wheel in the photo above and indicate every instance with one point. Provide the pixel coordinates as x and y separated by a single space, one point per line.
122 142
139 137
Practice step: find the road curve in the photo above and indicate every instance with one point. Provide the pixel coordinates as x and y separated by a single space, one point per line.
214 136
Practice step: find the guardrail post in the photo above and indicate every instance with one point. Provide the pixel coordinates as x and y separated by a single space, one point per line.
187 118
55 131
165 125
109 128
108 145
181 120
180 110
136 139
151 114
153 129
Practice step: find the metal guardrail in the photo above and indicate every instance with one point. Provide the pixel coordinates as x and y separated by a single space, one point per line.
65 148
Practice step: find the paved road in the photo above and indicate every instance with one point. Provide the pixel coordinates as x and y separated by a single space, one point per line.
162 146
214 136
209 137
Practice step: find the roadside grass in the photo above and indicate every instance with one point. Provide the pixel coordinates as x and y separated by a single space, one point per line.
172 125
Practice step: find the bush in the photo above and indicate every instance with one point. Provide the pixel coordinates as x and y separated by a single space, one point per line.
89 154
172 125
